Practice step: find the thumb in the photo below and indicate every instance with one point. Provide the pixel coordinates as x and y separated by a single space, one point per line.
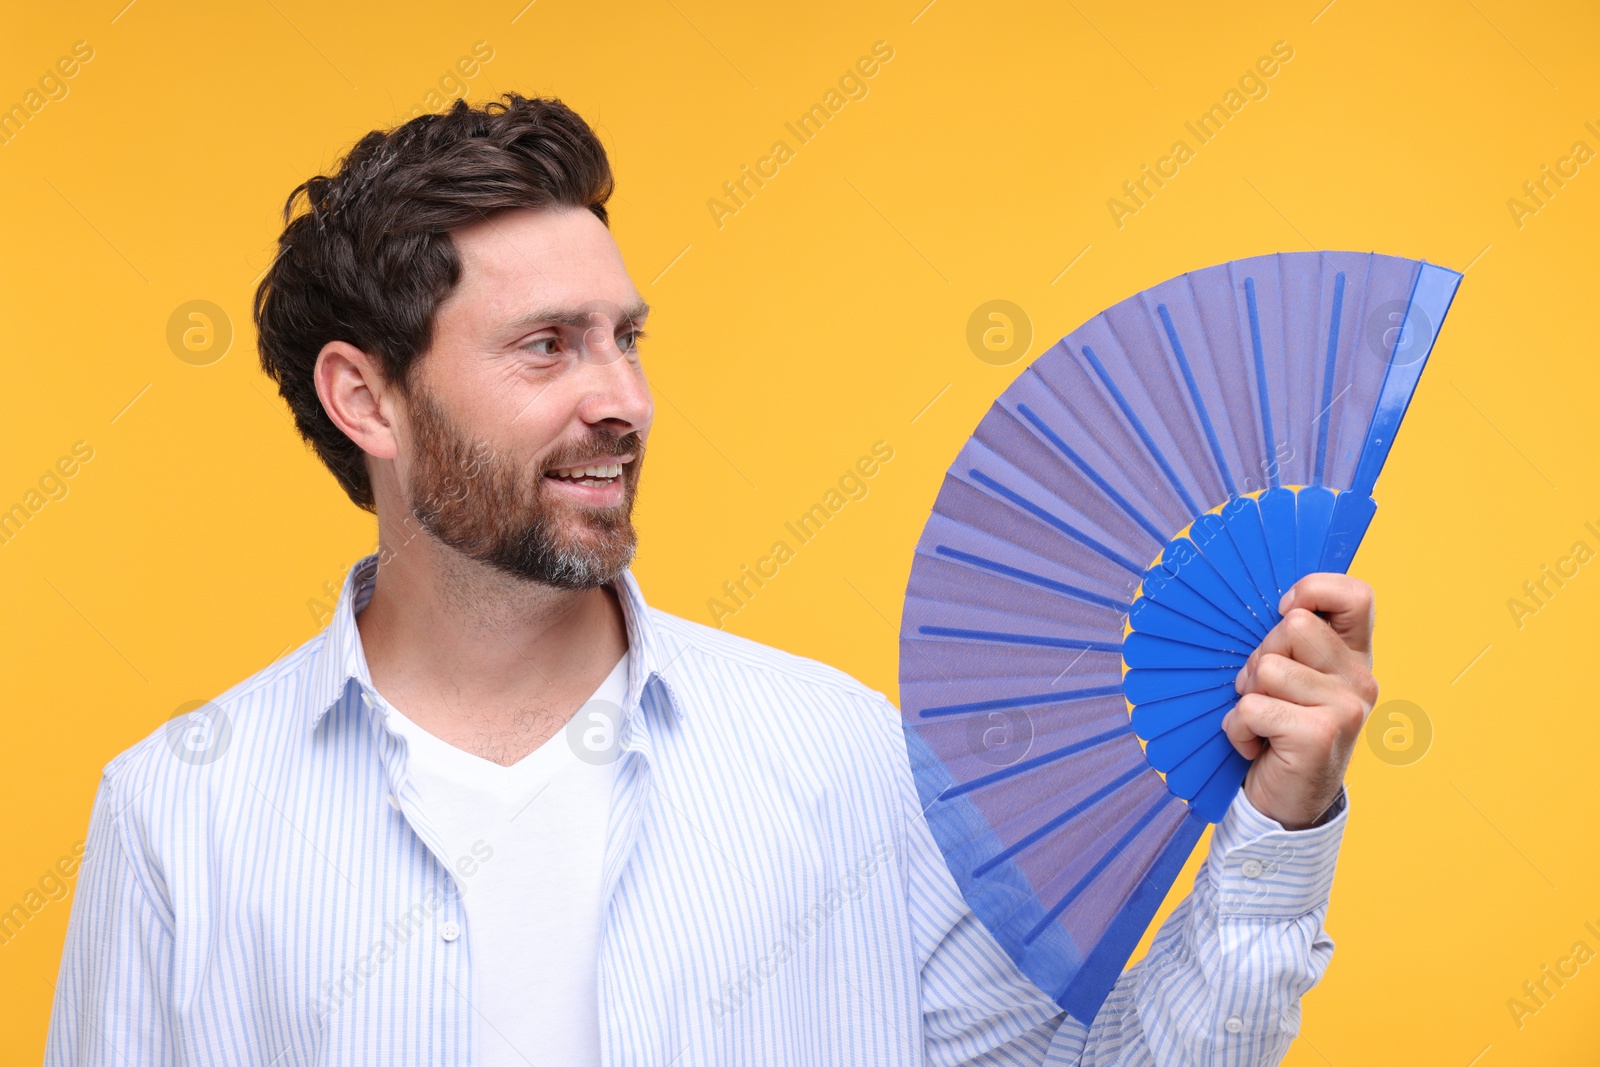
1345 602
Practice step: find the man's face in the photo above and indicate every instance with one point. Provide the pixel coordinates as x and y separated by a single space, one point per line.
533 378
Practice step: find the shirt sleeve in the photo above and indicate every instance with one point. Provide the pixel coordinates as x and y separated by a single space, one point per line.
111 1003
1220 985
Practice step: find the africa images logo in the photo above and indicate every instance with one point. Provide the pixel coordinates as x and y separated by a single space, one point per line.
198 732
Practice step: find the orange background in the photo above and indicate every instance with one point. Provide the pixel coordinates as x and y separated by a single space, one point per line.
828 313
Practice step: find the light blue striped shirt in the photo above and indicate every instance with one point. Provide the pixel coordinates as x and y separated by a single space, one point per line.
268 892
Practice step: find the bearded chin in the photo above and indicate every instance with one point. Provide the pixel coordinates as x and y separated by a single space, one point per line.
486 510
541 548
543 553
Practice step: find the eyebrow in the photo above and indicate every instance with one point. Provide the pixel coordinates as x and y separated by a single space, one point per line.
633 314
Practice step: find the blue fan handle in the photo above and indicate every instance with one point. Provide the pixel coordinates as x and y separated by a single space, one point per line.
1352 514
1431 294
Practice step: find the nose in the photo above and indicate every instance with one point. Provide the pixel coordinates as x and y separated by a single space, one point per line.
616 392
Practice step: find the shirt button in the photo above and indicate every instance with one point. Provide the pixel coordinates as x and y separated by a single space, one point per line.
1234 1024
393 803
1251 868
450 931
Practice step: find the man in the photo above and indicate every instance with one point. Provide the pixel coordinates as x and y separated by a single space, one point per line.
500 811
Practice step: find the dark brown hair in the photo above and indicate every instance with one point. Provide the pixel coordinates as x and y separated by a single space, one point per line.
371 259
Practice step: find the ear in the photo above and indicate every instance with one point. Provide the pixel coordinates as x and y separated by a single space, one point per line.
357 399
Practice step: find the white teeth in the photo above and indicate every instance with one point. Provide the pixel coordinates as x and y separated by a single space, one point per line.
609 470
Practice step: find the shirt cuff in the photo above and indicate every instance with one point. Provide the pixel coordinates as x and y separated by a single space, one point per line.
1263 870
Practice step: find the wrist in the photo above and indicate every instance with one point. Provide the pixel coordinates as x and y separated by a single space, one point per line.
1308 818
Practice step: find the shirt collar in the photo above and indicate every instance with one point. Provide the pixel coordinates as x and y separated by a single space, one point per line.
342 659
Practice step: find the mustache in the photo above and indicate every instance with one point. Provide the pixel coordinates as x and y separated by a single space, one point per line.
598 445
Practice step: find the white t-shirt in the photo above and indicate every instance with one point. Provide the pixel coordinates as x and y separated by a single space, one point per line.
536 832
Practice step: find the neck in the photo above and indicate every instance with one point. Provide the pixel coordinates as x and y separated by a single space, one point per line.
482 659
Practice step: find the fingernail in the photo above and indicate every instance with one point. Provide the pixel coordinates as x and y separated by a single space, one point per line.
1285 601
1238 681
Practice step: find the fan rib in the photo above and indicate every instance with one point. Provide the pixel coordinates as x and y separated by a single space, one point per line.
1148 650
1162 621
1138 428
1034 763
1210 534
1313 512
1211 801
1027 700
1261 377
1094 872
999 637
1056 823
1277 522
1189 775
1199 573
1093 475
1166 752
1143 684
1040 580
1199 404
1180 709
1328 377
1177 596
1244 526
1350 397
1061 524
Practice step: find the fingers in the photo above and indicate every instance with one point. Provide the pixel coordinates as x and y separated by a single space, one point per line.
1254 718
1304 688
1312 735
1305 638
1281 677
1304 694
1287 700
1298 757
1303 635
1346 602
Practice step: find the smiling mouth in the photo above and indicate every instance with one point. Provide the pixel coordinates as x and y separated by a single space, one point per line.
591 474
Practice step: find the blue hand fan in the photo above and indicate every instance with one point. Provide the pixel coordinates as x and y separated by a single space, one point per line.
1105 553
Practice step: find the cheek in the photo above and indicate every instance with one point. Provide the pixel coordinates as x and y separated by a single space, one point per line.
523 414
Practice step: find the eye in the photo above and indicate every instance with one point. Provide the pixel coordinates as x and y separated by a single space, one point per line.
533 346
629 341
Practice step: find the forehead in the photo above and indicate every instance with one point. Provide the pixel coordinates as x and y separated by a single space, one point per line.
517 259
